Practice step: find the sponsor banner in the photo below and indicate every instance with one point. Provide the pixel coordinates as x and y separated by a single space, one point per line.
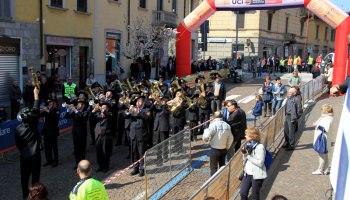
328 12
191 79
7 130
198 16
241 4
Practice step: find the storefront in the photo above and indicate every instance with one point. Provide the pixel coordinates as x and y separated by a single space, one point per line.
113 45
9 67
66 56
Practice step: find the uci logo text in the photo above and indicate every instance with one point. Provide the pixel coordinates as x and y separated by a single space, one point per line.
237 1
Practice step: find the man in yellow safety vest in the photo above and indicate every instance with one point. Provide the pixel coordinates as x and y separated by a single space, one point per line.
69 90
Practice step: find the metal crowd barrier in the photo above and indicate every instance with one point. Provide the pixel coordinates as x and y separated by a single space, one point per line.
166 160
224 184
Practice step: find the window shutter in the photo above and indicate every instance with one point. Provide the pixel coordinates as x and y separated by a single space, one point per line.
5 9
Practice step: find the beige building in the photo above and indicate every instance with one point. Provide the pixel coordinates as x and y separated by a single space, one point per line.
111 19
279 33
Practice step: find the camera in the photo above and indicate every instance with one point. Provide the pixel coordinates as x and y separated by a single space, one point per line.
247 149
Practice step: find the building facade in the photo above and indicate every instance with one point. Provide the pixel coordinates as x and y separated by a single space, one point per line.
111 36
278 33
19 43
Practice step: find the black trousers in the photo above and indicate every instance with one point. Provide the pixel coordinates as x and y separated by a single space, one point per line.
247 183
309 68
203 118
138 149
289 130
194 132
179 138
30 166
216 105
120 132
103 152
14 109
217 156
50 143
160 136
238 144
79 143
150 131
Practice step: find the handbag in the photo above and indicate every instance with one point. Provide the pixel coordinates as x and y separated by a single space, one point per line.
320 145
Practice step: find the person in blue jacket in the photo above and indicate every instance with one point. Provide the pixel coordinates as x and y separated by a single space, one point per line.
278 91
257 110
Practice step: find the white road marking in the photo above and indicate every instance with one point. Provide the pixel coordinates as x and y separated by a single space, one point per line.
250 111
247 99
139 196
232 97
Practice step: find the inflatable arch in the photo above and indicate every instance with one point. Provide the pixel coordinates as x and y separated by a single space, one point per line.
324 9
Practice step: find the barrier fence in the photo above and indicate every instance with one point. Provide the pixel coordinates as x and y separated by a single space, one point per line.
224 183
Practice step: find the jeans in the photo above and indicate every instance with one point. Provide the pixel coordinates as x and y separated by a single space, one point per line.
247 183
276 104
257 117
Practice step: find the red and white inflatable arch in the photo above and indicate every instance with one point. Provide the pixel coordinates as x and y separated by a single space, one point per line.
324 9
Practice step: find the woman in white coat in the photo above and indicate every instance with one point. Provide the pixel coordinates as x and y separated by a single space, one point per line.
324 122
254 165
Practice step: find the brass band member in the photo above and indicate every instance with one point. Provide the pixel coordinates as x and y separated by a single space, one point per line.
193 116
205 108
51 132
139 135
79 131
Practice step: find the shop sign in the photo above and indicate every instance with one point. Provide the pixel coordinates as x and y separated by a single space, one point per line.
62 52
269 42
9 46
110 35
50 40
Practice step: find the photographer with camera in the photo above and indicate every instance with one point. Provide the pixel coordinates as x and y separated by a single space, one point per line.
254 164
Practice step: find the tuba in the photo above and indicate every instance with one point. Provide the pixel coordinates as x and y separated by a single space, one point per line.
127 82
201 100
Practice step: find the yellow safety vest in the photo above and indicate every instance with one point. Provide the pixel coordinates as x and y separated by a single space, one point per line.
69 89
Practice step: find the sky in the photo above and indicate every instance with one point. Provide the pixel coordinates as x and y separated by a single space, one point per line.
342 4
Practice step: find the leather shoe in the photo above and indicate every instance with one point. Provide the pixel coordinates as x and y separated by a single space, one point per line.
285 145
291 148
47 164
54 164
99 170
136 171
142 173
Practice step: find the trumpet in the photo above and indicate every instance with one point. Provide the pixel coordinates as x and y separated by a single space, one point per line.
35 78
67 106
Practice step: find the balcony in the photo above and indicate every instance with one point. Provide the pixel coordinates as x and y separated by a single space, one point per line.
304 12
161 17
317 42
289 38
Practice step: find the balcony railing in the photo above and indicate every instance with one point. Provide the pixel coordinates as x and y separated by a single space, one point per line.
289 37
317 41
161 17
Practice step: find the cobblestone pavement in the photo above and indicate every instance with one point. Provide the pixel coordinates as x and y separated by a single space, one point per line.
61 180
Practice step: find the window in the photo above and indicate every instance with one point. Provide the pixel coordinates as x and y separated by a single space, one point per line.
56 3
143 4
326 33
301 28
160 5
6 9
287 20
333 35
269 23
174 6
82 5
192 5
241 19
317 29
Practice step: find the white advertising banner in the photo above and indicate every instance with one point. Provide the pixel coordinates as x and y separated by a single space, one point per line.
248 4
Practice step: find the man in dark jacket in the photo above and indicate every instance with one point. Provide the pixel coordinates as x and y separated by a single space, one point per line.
28 95
134 68
243 117
15 97
219 90
293 113
171 69
161 126
79 131
51 132
193 117
28 143
45 89
235 121
104 136
140 116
